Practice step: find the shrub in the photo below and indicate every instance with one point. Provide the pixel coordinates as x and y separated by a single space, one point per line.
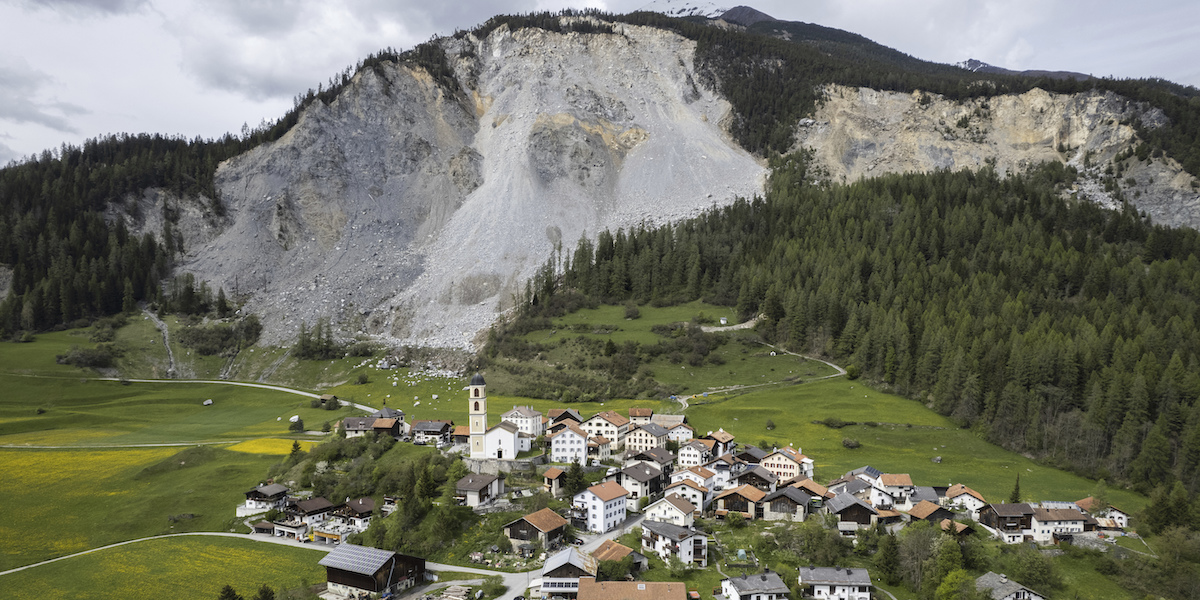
850 443
362 379
298 425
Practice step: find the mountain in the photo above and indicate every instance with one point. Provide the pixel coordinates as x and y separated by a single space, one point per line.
685 9
745 16
977 66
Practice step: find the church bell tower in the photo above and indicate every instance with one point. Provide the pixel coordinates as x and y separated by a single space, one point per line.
477 411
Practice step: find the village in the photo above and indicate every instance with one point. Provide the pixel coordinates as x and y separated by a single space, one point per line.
652 474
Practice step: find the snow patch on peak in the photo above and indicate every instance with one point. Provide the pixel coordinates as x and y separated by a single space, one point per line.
685 8
972 65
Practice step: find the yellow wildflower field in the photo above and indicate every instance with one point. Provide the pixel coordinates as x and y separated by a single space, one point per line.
270 446
180 568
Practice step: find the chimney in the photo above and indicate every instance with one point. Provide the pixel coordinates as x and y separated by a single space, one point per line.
1003 578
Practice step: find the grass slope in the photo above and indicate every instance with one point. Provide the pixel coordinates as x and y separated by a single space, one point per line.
170 568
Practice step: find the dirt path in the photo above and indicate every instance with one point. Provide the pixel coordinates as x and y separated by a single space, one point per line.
166 339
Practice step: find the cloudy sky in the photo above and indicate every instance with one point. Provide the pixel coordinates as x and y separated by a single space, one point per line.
75 69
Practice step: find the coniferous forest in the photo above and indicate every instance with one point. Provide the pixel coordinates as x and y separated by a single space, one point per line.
1053 327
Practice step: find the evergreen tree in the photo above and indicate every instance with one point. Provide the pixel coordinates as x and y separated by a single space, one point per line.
1015 496
228 593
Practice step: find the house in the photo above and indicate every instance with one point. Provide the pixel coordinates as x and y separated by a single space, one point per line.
391 413
599 448
892 490
1000 587
763 586
750 454
1118 516
552 481
787 463
674 509
1011 522
478 488
504 440
558 416
758 477
853 514
432 432
310 512
853 486
640 480
835 582
590 589
786 504
1047 523
640 416
961 496
667 540
611 550
569 444
928 511
724 469
599 508
743 499
924 493
562 571
545 527
461 434
389 427
358 426
526 419
691 491
699 475
668 421
681 433
693 454
723 441
954 527
608 424
352 517
262 499
813 488
353 570
657 457
645 436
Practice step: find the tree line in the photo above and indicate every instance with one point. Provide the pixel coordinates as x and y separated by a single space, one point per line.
1052 326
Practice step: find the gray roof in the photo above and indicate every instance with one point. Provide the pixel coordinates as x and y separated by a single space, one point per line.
478 380
658 455
763 583
1012 510
653 429
474 482
924 492
834 575
796 495
855 486
641 472
667 421
754 451
572 556
505 425
524 411
357 559
270 490
869 470
760 471
668 530
314 505
358 423
430 426
1000 585
841 502
388 413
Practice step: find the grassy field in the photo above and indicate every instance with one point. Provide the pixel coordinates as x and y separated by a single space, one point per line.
181 568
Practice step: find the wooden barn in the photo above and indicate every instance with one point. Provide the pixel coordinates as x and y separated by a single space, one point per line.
352 570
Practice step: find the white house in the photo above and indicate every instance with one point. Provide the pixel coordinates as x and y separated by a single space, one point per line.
608 424
569 444
666 540
835 582
639 416
672 508
1049 521
641 480
892 490
691 491
646 436
724 441
788 463
961 496
478 488
692 454
262 499
600 508
1000 587
681 433
763 586
1119 517
562 571
526 419
724 469
505 440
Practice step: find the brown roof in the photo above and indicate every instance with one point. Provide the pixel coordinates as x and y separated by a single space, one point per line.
958 527
609 490
599 441
1088 503
812 486
707 443
923 509
641 412
590 589
553 473
747 491
474 482
886 513
613 417
721 436
689 483
460 430
701 471
384 423
681 503
895 479
545 520
569 427
611 550
959 489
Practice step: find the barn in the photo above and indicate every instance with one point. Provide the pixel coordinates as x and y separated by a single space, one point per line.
352 570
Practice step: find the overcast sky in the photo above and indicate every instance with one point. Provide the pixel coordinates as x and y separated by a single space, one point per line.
75 69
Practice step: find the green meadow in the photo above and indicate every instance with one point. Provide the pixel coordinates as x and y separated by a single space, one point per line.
182 568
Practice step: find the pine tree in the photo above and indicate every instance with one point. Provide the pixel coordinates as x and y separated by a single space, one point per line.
228 593
1015 496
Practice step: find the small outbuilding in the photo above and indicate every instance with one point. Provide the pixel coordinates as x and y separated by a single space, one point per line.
354 570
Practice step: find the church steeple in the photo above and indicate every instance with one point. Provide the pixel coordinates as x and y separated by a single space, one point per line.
477 411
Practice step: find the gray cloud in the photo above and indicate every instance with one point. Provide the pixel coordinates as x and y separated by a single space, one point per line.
7 154
19 103
85 7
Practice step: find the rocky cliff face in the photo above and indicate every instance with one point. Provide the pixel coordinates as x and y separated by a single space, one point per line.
862 133
405 213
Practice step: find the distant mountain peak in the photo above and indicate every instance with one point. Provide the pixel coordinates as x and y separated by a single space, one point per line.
685 8
973 65
746 16
978 66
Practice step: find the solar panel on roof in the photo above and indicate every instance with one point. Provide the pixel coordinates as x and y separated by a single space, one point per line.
357 559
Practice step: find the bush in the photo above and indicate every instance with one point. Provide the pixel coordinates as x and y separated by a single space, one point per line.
852 372
850 443
362 379
735 520
631 311
297 426
100 357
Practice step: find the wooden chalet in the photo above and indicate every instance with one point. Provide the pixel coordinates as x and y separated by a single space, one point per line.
928 511
744 499
545 527
354 570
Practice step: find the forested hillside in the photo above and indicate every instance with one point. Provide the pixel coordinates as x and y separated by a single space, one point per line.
1054 327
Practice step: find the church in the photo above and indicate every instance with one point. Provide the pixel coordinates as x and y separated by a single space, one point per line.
505 440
